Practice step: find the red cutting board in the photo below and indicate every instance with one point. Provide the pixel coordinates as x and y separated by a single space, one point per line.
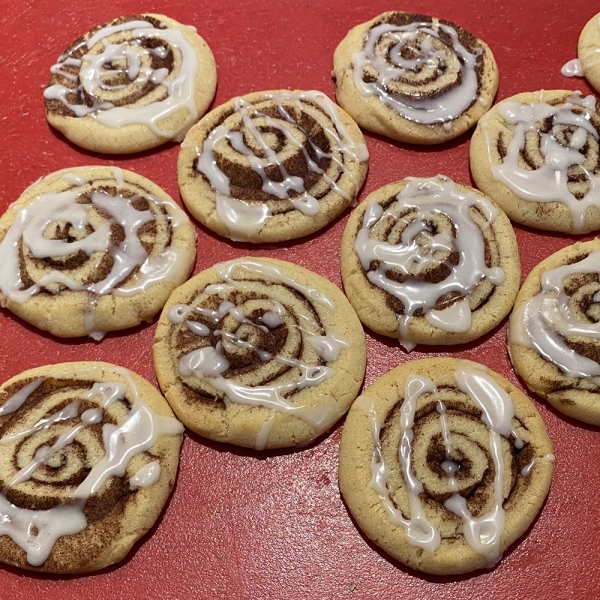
244 524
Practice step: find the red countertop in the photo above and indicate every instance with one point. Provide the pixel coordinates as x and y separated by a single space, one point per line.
270 525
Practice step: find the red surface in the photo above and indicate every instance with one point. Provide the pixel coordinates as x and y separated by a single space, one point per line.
252 525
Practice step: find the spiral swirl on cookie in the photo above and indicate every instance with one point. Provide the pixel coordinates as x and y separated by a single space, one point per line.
258 336
458 459
133 70
438 258
538 156
417 76
82 470
554 333
272 166
82 242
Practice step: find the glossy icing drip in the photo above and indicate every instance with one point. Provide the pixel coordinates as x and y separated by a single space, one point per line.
429 55
547 320
36 531
549 182
31 234
93 71
421 202
210 364
244 219
482 533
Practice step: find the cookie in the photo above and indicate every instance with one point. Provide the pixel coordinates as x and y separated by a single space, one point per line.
88 250
444 464
414 78
272 166
88 458
588 51
554 336
259 353
536 154
430 261
130 84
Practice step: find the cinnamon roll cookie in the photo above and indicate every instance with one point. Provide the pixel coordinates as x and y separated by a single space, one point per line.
554 331
538 156
272 166
414 78
259 353
588 51
430 261
88 458
130 84
444 464
92 249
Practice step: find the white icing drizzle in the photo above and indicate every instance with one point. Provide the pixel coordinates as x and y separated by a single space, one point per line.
91 79
545 321
548 183
51 209
526 470
391 66
572 68
483 533
428 199
209 362
245 219
17 400
36 531
146 476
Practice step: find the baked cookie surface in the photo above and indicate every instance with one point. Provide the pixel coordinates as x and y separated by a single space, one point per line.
88 458
554 333
414 78
444 464
430 261
588 51
259 353
88 250
131 84
537 156
272 166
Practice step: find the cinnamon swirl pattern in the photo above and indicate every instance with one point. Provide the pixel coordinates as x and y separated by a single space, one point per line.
430 261
444 464
538 156
259 353
131 84
88 458
588 51
414 78
272 166
92 249
554 331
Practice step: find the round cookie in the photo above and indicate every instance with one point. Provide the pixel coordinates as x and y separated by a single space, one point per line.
414 78
260 353
444 464
554 336
272 166
88 458
430 261
588 51
88 250
130 84
537 155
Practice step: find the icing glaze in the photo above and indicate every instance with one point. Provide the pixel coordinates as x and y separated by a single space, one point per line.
36 531
210 364
481 533
245 219
545 321
419 247
29 235
548 182
429 58
572 68
93 75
